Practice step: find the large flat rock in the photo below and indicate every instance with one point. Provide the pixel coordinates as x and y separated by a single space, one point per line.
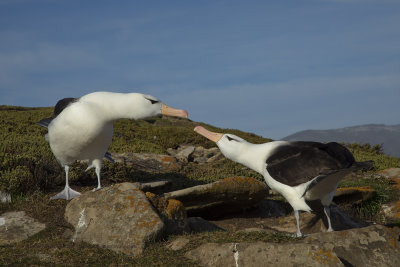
118 217
16 226
370 246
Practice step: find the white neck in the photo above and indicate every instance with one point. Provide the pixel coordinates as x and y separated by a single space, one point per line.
121 106
250 155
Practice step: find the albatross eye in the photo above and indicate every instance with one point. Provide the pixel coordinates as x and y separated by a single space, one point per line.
152 100
230 138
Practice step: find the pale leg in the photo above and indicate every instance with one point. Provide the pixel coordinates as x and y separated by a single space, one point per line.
67 193
296 215
327 211
98 168
97 165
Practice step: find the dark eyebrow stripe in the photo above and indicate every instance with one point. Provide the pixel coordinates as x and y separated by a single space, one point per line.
230 138
152 101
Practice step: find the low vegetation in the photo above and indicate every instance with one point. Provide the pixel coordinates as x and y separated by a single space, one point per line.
29 171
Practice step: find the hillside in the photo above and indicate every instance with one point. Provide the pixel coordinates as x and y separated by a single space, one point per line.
374 134
31 174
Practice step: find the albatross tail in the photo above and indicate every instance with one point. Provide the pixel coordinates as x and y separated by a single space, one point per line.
324 184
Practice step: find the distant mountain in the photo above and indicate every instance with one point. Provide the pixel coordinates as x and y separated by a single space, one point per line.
374 134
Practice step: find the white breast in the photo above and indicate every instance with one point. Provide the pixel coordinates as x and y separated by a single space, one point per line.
80 133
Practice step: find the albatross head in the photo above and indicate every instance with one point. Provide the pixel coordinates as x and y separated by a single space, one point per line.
231 146
130 105
155 107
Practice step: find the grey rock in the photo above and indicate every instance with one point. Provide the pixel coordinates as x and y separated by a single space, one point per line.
155 186
5 197
200 160
390 212
225 196
184 155
178 243
147 162
216 157
261 254
171 151
211 152
118 217
371 246
198 152
16 226
391 173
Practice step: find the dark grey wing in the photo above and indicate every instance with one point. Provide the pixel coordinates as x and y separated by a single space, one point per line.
337 175
45 122
295 163
62 104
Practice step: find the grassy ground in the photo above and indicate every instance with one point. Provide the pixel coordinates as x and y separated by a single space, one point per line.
30 172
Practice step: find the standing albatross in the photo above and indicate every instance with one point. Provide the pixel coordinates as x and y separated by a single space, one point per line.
299 171
82 128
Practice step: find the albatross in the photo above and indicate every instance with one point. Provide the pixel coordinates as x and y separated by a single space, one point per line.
82 128
299 171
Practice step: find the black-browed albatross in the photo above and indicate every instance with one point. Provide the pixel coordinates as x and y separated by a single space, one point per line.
299 171
82 128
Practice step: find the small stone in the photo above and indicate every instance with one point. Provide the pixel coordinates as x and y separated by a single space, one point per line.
200 160
391 211
391 172
5 197
198 152
171 151
178 243
185 154
215 158
211 152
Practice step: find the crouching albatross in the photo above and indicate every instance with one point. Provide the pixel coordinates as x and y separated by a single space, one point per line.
299 171
82 128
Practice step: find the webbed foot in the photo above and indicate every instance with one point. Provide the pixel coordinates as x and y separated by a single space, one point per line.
97 188
68 193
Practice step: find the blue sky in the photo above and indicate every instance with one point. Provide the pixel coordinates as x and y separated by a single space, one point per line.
268 67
